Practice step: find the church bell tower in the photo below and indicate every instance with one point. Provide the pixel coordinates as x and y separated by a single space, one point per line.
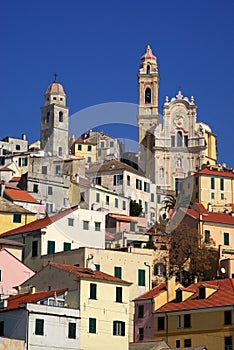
148 119
54 121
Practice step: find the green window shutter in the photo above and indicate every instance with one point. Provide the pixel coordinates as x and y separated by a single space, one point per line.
92 325
93 291
212 183
51 247
118 272
17 218
66 246
226 238
39 327
119 294
97 267
141 277
72 330
222 184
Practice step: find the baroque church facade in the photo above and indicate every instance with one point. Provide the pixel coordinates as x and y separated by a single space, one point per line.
171 148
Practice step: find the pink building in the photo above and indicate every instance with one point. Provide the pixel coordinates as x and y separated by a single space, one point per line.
12 273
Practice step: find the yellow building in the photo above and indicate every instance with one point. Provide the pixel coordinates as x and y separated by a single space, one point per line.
103 301
13 216
200 315
211 186
86 149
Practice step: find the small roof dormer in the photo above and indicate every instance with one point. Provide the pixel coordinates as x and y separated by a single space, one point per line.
55 94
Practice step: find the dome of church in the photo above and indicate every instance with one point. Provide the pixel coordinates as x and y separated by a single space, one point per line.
55 88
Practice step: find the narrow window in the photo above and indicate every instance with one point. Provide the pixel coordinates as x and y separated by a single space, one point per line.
222 196
50 190
118 295
89 160
141 277
79 147
172 141
50 247
2 328
72 330
226 238
222 184
161 325
70 222
158 198
57 169
66 246
107 200
44 170
177 343
161 173
116 202
146 187
89 148
152 197
124 205
228 317
118 271
212 195
0 275
97 226
178 295
34 248
132 226
148 69
187 321
140 311
207 236
60 117
97 267
212 183
48 118
228 343
202 292
97 197
186 141
179 321
138 184
111 144
179 139
128 180
141 333
60 151
17 147
147 95
39 326
35 188
93 291
92 325
85 225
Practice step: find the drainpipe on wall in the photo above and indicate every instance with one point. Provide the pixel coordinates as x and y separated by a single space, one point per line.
145 263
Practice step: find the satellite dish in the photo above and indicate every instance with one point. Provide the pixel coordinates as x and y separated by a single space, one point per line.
93 267
223 270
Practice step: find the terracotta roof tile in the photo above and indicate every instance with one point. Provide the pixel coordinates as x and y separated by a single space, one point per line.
15 301
221 218
207 171
224 295
39 224
112 166
84 272
6 169
19 195
122 217
85 142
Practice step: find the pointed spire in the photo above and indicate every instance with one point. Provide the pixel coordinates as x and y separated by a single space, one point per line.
148 54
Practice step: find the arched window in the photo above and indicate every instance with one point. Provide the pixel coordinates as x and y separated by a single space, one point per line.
159 269
60 151
60 117
147 95
48 118
148 69
179 139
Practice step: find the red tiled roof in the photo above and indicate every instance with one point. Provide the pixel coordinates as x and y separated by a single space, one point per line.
224 295
85 142
153 292
87 273
6 169
7 185
207 171
221 218
15 179
19 195
122 217
15 301
39 224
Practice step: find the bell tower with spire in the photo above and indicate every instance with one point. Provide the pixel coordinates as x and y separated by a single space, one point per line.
54 121
148 119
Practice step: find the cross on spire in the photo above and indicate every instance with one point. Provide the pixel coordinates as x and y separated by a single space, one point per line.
55 77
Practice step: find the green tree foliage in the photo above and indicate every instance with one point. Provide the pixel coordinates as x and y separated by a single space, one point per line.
135 208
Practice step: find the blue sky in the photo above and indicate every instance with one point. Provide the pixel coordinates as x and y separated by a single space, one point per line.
95 47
